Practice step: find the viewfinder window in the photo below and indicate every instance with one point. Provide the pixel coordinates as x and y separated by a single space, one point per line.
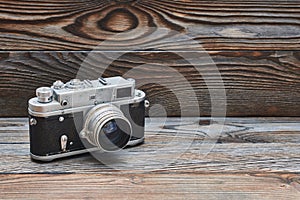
124 92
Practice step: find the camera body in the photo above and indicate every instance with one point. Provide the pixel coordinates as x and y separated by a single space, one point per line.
83 116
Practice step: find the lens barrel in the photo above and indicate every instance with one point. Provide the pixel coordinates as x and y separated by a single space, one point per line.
107 128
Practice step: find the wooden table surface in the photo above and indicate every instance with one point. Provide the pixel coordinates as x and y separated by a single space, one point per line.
252 158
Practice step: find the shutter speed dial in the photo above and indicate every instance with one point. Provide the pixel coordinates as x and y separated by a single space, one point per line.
75 84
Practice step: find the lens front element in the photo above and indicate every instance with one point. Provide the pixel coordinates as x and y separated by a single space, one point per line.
110 127
106 127
113 135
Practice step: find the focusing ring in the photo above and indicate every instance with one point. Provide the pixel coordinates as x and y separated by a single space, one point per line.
97 117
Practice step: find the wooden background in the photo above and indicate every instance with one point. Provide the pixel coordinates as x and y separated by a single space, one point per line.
256 47
255 44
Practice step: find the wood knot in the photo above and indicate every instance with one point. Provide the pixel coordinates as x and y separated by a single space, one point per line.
118 20
136 180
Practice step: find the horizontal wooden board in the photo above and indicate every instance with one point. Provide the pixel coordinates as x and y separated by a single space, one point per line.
150 186
253 158
82 25
257 83
246 145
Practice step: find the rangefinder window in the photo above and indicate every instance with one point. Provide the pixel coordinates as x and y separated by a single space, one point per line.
123 92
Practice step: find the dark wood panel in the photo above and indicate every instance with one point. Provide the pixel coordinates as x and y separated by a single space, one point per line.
246 145
216 25
257 83
150 186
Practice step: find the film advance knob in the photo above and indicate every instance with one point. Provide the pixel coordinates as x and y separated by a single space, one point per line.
44 94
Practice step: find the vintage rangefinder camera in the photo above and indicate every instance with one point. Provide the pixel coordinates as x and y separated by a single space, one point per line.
81 116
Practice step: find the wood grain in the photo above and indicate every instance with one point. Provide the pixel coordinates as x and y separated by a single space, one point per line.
254 44
246 145
82 25
253 158
257 83
150 186
256 47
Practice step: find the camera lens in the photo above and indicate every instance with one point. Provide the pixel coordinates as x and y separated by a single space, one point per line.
107 127
113 135
110 127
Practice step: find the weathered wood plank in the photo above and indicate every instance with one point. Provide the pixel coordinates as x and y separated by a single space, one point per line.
223 158
217 25
246 145
257 83
150 186
252 159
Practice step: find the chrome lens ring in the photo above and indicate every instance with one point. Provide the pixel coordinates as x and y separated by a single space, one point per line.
97 118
